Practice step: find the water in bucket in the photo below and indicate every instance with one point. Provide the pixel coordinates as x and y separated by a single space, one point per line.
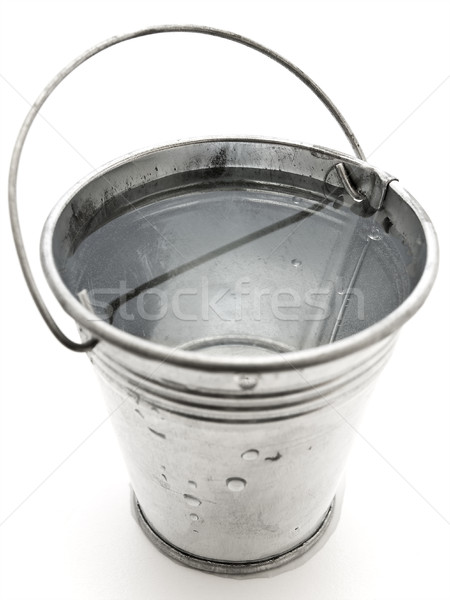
240 271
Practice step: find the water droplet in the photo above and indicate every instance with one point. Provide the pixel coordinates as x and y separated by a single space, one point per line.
192 500
295 200
250 454
274 458
236 484
194 517
158 433
192 484
247 382
374 234
134 396
340 286
295 262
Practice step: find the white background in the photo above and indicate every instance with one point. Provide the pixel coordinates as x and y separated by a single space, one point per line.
66 528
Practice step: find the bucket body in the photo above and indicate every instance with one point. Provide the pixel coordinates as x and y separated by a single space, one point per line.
236 416
243 476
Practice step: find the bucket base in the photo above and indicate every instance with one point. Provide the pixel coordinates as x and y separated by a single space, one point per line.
230 568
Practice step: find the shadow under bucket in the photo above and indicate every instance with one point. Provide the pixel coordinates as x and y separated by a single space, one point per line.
238 298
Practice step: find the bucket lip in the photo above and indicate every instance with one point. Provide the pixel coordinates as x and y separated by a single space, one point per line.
106 332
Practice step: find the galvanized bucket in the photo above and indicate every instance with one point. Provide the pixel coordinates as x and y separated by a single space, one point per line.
238 298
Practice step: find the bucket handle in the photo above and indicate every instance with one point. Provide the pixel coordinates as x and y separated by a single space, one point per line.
46 92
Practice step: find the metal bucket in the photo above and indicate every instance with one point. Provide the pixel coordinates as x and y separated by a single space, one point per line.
238 298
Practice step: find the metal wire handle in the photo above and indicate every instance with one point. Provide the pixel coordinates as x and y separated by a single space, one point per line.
14 167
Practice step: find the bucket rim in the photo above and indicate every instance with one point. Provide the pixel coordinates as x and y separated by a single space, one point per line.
105 332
